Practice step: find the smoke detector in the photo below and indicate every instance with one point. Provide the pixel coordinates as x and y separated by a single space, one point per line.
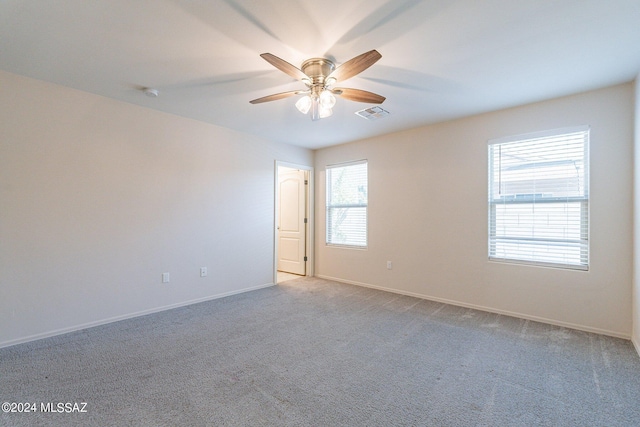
150 92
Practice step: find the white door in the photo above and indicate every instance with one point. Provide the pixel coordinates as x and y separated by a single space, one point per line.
291 221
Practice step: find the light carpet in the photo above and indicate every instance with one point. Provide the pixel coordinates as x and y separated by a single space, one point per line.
311 352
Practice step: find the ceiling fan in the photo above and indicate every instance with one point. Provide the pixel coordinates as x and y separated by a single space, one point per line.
319 75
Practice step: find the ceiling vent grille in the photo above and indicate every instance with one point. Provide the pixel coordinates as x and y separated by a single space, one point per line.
373 113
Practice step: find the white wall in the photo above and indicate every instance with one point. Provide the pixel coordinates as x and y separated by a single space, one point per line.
99 197
636 250
428 214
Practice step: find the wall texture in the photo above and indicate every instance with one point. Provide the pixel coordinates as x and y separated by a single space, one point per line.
428 215
99 197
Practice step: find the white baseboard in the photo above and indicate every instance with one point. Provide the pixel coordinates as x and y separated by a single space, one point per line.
487 309
125 316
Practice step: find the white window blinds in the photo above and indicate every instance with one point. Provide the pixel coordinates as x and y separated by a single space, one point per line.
539 198
346 204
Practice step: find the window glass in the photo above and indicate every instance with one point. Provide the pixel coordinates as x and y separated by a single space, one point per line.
539 198
346 204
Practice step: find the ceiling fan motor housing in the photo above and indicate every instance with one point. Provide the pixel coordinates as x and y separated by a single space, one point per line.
317 69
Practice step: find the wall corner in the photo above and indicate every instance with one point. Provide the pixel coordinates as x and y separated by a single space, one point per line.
635 288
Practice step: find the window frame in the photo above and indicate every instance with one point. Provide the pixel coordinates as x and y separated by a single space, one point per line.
329 206
540 200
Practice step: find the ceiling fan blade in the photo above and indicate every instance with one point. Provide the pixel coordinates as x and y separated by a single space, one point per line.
284 66
276 96
355 65
359 95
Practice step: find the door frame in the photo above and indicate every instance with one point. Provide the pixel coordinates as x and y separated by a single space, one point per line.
310 217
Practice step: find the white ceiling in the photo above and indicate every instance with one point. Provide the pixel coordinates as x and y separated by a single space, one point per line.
441 59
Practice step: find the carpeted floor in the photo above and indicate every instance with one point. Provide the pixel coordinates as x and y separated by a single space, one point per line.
310 352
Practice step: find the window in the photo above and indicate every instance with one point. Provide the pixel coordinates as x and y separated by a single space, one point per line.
539 198
347 204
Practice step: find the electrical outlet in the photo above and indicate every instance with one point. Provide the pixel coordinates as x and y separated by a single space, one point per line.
203 271
165 277
389 265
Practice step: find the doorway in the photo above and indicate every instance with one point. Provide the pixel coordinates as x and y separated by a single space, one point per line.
293 223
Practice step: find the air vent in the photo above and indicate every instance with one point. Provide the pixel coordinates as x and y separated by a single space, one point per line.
373 113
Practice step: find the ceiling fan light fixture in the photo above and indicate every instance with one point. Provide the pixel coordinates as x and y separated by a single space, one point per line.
327 100
304 104
324 112
315 109
313 103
